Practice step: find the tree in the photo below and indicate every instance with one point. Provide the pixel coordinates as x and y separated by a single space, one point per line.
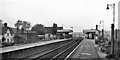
54 30
39 28
25 25
18 24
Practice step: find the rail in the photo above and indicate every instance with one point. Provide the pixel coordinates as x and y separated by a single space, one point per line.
57 53
24 52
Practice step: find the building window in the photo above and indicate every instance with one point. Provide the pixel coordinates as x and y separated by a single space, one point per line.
7 40
7 34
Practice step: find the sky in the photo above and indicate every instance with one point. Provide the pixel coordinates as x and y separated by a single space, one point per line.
81 14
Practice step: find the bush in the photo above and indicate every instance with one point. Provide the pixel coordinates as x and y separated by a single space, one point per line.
19 39
110 56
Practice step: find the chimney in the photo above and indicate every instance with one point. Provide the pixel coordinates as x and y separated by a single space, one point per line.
5 24
96 27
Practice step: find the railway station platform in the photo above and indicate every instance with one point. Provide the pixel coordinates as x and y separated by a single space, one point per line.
14 48
86 50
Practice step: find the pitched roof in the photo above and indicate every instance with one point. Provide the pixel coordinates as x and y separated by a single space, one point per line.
4 30
90 30
58 28
49 29
65 30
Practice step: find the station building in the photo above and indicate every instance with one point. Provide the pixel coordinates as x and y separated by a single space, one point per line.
90 33
65 33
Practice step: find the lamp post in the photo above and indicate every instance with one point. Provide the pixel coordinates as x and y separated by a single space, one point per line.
112 25
113 6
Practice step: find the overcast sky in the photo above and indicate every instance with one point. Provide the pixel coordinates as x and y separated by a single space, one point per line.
81 14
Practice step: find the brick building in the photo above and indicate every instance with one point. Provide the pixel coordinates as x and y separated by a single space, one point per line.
49 29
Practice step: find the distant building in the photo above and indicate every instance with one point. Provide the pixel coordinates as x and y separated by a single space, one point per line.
7 33
65 33
91 33
48 32
49 29
78 34
8 36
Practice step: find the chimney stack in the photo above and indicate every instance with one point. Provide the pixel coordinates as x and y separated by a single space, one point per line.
96 27
5 24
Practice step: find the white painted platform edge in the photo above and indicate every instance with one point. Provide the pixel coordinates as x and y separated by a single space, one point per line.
74 50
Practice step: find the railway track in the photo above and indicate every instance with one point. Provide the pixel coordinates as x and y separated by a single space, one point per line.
60 52
53 51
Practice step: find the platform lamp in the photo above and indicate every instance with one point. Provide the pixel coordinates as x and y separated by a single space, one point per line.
112 25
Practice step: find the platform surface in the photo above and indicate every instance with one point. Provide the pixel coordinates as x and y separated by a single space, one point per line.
86 50
13 48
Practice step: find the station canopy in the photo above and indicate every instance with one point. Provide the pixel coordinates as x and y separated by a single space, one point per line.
64 31
90 30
